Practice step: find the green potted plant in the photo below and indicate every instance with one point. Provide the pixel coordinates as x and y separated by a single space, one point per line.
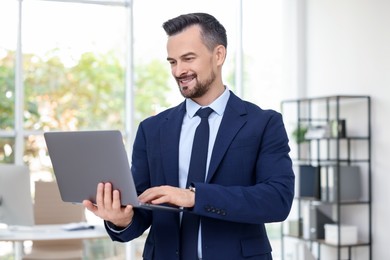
299 134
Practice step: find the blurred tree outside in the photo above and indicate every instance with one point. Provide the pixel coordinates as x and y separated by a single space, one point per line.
7 109
87 96
151 90
7 83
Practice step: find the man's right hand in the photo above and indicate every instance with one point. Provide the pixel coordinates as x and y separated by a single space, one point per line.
108 206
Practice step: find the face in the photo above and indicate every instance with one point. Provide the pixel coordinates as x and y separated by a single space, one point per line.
192 64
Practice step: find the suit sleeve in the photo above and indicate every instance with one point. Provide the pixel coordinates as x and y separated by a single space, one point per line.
261 166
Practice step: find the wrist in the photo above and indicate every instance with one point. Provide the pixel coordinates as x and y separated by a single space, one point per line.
192 188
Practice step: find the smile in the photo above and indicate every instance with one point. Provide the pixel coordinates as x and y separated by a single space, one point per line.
185 80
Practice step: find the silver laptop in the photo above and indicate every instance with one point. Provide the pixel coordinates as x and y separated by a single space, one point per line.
82 159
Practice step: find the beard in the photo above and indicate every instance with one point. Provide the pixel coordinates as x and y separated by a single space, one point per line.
200 88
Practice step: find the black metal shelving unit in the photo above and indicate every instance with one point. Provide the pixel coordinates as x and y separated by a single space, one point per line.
331 131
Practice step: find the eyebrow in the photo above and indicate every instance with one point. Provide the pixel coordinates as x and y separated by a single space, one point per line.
182 56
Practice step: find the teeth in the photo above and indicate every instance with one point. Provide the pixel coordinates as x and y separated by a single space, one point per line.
186 80
187 77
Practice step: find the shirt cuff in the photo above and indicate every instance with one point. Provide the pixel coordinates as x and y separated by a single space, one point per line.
116 229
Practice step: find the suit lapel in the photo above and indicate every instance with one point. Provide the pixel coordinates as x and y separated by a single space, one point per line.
233 119
170 137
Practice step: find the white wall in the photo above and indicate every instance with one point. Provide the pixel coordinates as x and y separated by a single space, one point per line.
348 52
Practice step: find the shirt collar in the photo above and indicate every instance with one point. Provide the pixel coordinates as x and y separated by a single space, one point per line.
218 105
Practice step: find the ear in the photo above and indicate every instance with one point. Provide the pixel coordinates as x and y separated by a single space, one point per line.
220 54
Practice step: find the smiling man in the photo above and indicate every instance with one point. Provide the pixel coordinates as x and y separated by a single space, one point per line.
240 179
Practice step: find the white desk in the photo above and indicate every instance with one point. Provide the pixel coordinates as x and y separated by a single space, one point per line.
46 232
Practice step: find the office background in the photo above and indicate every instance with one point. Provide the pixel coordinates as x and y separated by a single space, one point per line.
345 52
289 49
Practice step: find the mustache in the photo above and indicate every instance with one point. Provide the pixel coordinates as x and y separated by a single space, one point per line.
186 77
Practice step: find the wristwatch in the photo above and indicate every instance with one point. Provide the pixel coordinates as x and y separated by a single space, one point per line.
192 188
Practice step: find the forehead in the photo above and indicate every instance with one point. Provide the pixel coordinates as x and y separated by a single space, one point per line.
189 40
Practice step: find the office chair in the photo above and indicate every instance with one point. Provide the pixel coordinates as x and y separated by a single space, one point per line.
50 209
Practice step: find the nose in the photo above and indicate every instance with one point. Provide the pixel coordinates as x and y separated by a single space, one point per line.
179 69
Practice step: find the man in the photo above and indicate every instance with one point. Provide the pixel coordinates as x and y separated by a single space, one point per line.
249 179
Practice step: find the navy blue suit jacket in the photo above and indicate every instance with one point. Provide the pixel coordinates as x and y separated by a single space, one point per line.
250 182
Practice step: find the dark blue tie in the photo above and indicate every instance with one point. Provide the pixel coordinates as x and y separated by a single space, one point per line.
196 173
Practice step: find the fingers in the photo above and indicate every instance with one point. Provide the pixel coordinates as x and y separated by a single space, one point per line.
108 206
168 194
151 194
89 206
107 199
100 195
116 202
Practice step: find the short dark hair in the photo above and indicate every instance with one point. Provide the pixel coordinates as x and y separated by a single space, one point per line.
212 31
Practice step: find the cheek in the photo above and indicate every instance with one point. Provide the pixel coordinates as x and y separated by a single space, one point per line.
201 68
174 71
204 71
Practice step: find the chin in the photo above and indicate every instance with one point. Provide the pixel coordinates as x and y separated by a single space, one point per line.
185 91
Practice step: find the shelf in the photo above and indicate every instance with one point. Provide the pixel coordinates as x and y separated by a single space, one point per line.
330 162
326 98
329 144
314 200
323 242
338 138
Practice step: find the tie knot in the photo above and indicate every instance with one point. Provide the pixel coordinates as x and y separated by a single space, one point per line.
204 112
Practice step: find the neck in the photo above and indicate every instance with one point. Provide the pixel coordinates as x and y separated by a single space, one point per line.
214 93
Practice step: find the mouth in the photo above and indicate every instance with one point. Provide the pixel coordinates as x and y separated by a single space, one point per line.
185 80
